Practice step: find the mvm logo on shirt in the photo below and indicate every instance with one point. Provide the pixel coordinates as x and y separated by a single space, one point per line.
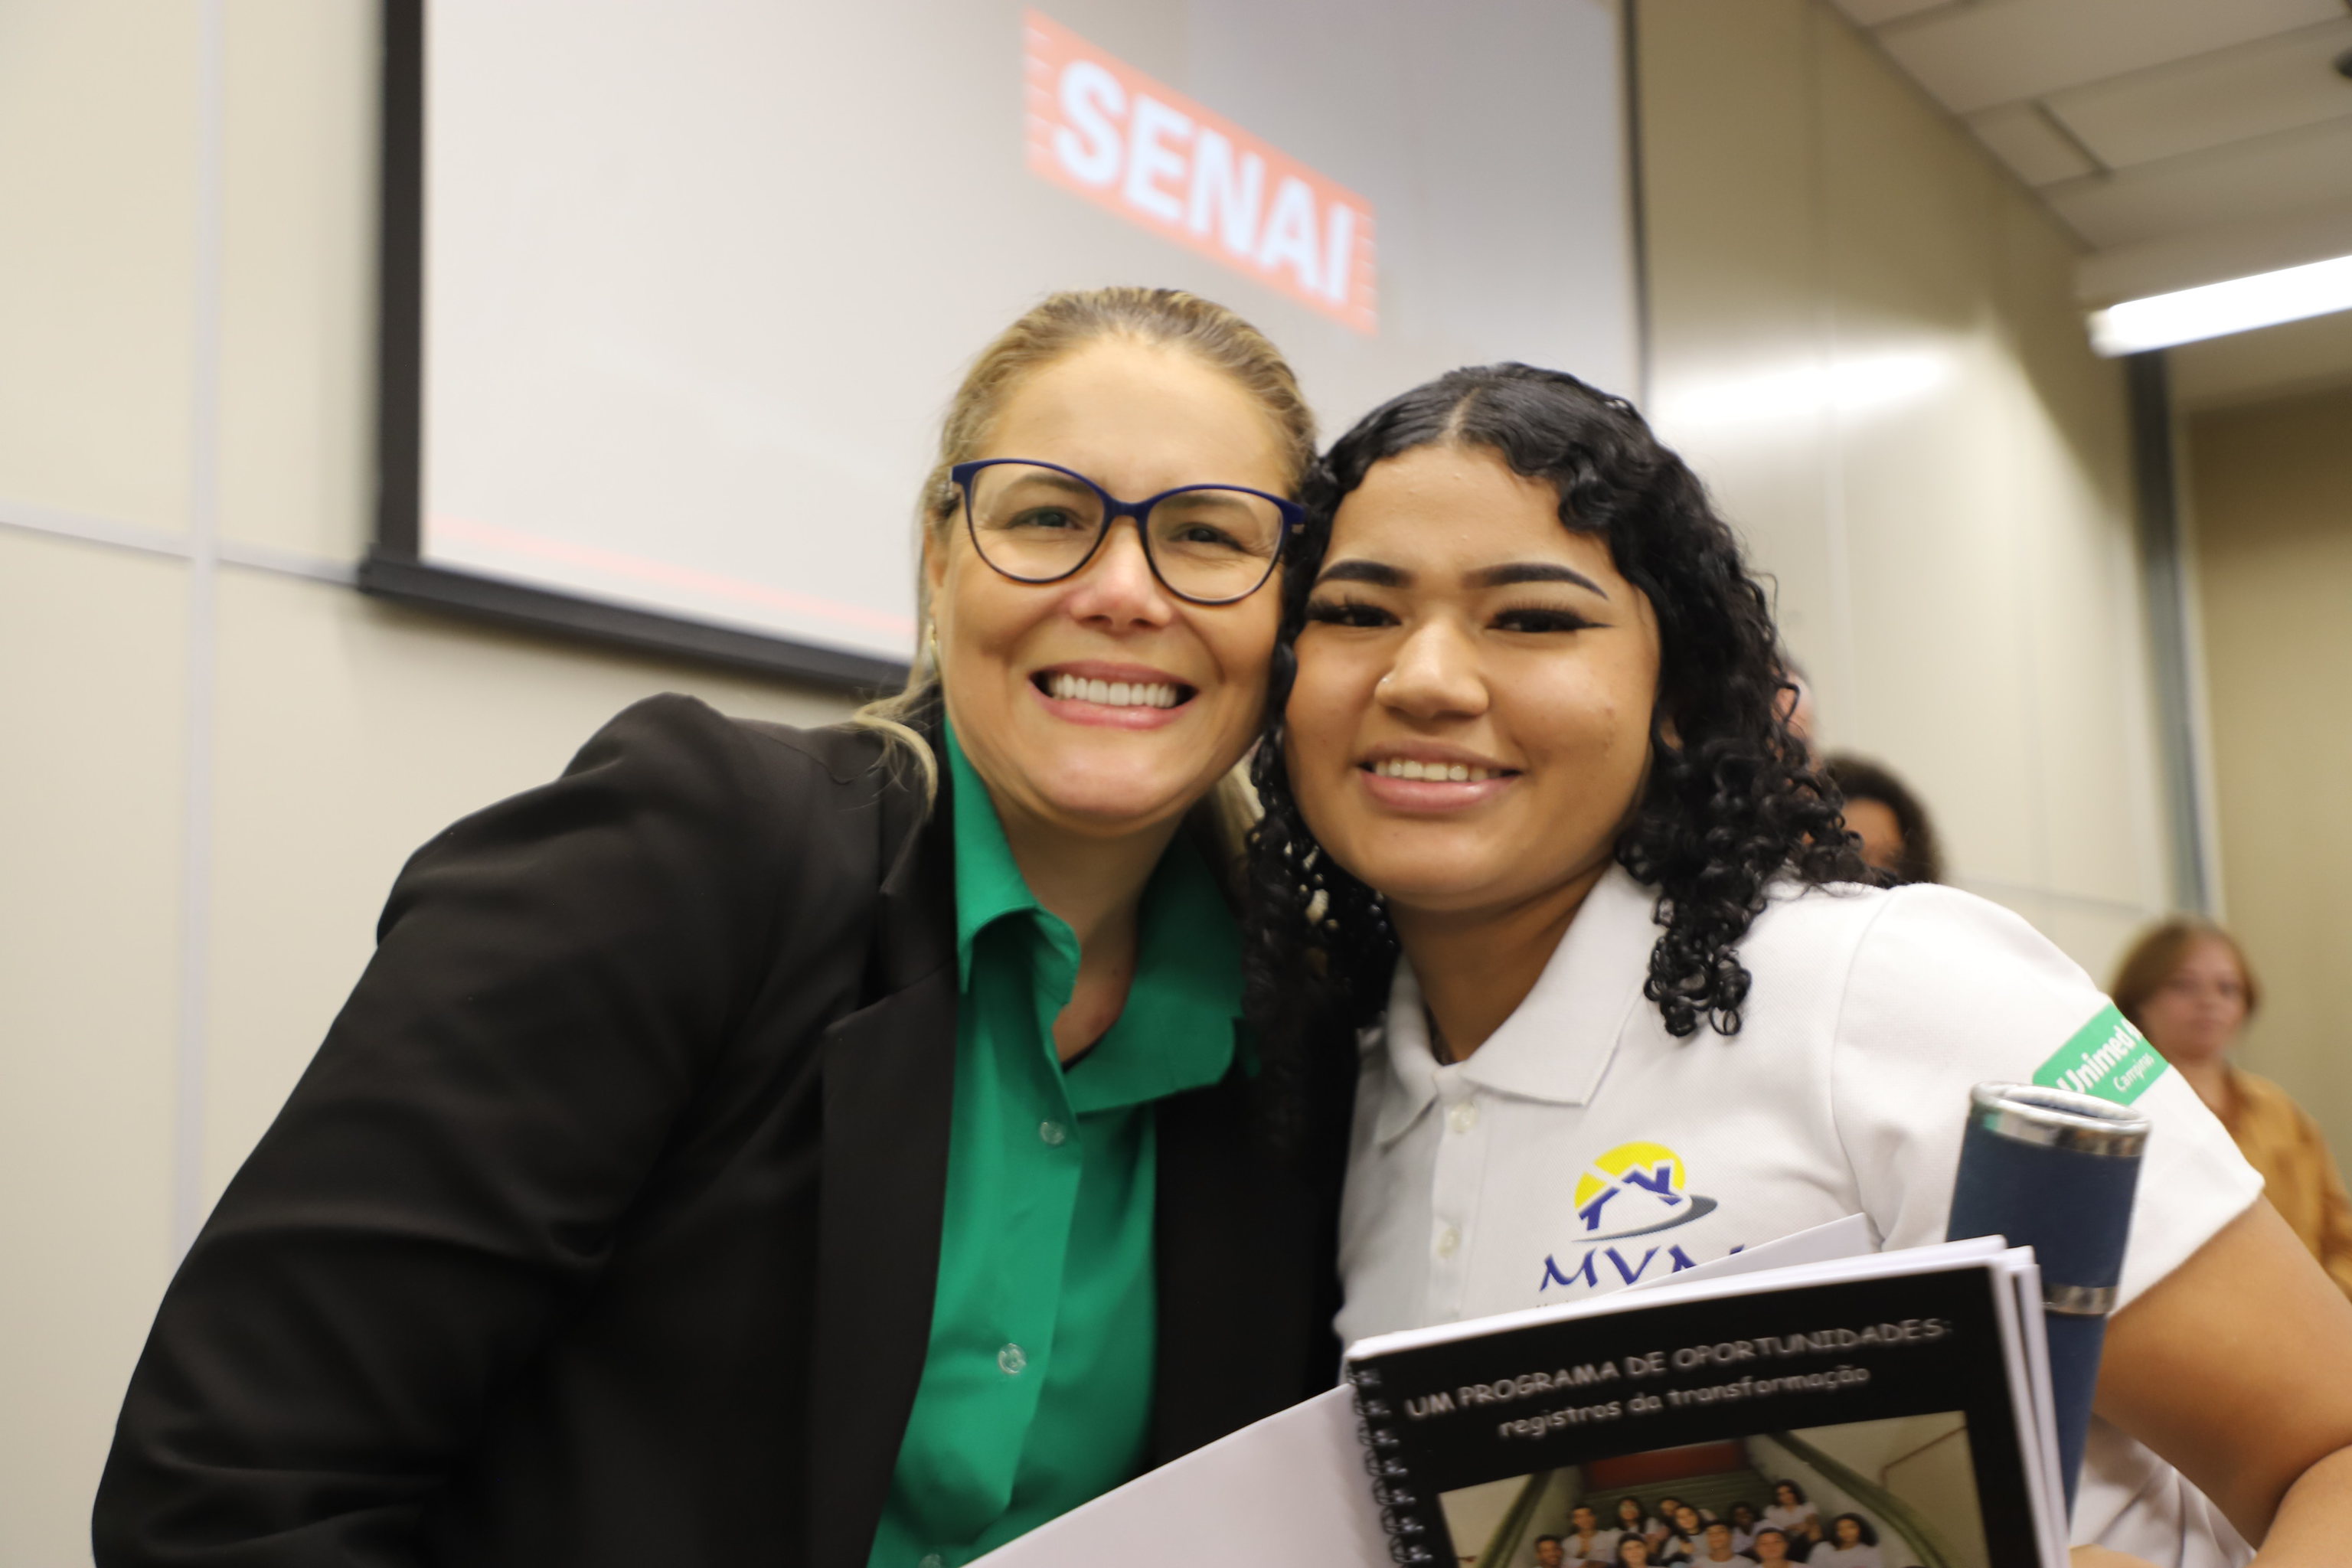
1635 1190
1103 129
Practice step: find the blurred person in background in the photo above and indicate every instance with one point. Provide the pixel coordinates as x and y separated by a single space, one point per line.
1853 1543
1793 1514
1744 1523
1898 839
2188 988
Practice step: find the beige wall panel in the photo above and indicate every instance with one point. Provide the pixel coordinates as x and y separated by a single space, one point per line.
2092 935
1944 659
349 733
2272 488
97 170
298 298
1735 286
90 643
2081 574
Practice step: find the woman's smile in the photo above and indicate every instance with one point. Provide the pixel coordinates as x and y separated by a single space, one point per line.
1421 779
1113 695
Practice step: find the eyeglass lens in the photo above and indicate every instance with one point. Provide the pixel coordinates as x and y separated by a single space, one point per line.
1037 524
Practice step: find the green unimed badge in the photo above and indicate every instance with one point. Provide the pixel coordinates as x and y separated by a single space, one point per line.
2106 1058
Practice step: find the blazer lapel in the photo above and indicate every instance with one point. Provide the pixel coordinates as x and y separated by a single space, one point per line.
890 1094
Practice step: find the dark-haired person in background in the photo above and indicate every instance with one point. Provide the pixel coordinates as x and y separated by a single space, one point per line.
1716 1546
1633 1518
1534 822
1851 1542
1793 1514
1897 838
1586 1541
1744 1523
2187 986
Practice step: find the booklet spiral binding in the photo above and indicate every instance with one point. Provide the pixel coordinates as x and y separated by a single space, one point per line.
1401 1504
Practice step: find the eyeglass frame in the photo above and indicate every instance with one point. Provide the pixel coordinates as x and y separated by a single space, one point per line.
1293 516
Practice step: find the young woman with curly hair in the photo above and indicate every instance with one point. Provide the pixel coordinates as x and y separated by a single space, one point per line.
1536 826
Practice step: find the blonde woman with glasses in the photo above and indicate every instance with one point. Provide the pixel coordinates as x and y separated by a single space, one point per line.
815 1148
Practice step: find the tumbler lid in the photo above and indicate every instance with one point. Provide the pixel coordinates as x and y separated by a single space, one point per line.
2058 1119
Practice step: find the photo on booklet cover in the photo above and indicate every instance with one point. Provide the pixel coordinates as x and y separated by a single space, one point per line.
1897 1493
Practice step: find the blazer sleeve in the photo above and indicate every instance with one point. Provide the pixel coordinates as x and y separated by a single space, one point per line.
552 977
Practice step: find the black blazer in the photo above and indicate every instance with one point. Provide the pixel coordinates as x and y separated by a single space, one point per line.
603 1228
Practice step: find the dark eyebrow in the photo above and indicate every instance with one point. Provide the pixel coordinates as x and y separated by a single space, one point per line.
1379 573
1515 572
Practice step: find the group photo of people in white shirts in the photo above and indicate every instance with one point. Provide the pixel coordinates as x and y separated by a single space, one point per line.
1872 1494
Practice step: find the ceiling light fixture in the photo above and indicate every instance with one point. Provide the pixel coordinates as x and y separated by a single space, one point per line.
2217 310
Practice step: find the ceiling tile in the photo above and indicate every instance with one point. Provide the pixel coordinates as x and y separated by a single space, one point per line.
2036 151
2278 84
2246 182
1975 56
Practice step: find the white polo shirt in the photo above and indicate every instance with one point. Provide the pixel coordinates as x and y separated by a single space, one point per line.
1582 1147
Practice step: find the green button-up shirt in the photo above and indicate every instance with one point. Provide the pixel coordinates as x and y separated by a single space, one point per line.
1036 1388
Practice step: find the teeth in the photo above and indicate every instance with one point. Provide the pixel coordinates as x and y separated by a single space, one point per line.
1448 772
1112 693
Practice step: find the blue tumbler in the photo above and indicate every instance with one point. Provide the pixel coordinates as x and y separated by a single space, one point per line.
2055 1172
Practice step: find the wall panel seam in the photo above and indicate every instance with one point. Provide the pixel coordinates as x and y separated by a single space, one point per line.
189 1054
23 518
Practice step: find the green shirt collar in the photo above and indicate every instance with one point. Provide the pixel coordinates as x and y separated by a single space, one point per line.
1176 1031
988 881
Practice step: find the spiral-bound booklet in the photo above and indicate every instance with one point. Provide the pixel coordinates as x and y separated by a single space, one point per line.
1882 1411
1886 1412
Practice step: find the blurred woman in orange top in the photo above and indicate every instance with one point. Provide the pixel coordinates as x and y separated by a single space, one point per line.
2187 984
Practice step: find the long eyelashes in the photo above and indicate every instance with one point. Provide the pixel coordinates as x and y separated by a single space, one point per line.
1542 618
1537 618
1346 613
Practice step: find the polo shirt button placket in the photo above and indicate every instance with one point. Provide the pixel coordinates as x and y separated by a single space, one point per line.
1453 1192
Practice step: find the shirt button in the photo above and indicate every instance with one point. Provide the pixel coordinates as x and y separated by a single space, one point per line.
1011 1359
1463 1117
1052 1135
933 1559
1449 1241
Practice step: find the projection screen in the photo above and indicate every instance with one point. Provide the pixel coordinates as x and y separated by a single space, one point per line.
676 293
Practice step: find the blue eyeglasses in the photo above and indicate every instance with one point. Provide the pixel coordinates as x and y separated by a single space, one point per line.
1040 522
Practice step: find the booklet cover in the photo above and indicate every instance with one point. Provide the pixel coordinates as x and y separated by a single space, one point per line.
1878 1414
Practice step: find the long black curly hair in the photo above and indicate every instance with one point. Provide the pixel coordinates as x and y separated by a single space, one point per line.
1732 799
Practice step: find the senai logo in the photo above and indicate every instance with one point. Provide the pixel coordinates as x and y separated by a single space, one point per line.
1635 1190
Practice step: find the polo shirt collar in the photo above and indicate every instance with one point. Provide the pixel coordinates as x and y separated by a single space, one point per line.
1177 1030
1556 1044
